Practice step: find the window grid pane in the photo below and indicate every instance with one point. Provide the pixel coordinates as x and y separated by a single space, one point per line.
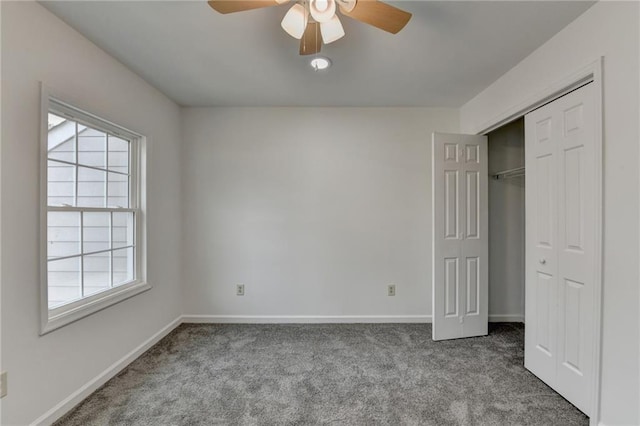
64 277
60 184
97 230
82 251
117 190
63 235
118 155
123 266
92 185
92 147
75 180
111 252
97 273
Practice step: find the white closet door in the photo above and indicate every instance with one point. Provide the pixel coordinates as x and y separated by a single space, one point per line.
541 293
460 240
561 228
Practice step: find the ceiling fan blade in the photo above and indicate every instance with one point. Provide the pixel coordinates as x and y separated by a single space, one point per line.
311 42
231 6
380 15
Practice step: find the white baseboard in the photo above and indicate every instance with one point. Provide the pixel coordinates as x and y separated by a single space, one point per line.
303 319
78 396
506 318
324 319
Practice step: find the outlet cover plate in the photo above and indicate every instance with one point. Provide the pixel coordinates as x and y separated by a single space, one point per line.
240 290
391 290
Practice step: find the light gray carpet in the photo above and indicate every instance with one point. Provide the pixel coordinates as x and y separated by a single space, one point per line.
347 374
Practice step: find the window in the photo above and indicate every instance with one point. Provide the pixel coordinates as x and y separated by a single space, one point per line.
93 215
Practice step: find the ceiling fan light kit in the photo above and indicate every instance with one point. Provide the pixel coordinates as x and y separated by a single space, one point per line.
316 21
322 10
295 21
331 30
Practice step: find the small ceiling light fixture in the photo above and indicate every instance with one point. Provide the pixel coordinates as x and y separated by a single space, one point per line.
320 63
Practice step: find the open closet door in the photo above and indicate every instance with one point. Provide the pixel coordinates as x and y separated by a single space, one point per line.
460 241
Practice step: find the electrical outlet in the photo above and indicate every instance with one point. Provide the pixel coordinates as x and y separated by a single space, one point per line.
240 290
391 290
3 384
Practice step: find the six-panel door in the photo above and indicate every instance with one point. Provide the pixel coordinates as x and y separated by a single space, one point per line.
460 222
560 205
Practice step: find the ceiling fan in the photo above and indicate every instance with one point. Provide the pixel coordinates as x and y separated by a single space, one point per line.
316 21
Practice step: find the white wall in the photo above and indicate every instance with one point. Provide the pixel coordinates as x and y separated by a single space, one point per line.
506 223
609 29
315 210
45 370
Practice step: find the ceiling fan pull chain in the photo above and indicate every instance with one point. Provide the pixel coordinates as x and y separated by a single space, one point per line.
315 67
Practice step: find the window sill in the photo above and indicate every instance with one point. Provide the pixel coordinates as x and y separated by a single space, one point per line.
92 305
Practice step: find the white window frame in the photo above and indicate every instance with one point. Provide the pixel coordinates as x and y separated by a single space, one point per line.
57 317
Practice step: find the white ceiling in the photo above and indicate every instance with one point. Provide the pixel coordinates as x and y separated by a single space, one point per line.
448 52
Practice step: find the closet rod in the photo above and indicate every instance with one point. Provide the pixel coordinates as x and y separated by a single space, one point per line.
511 173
